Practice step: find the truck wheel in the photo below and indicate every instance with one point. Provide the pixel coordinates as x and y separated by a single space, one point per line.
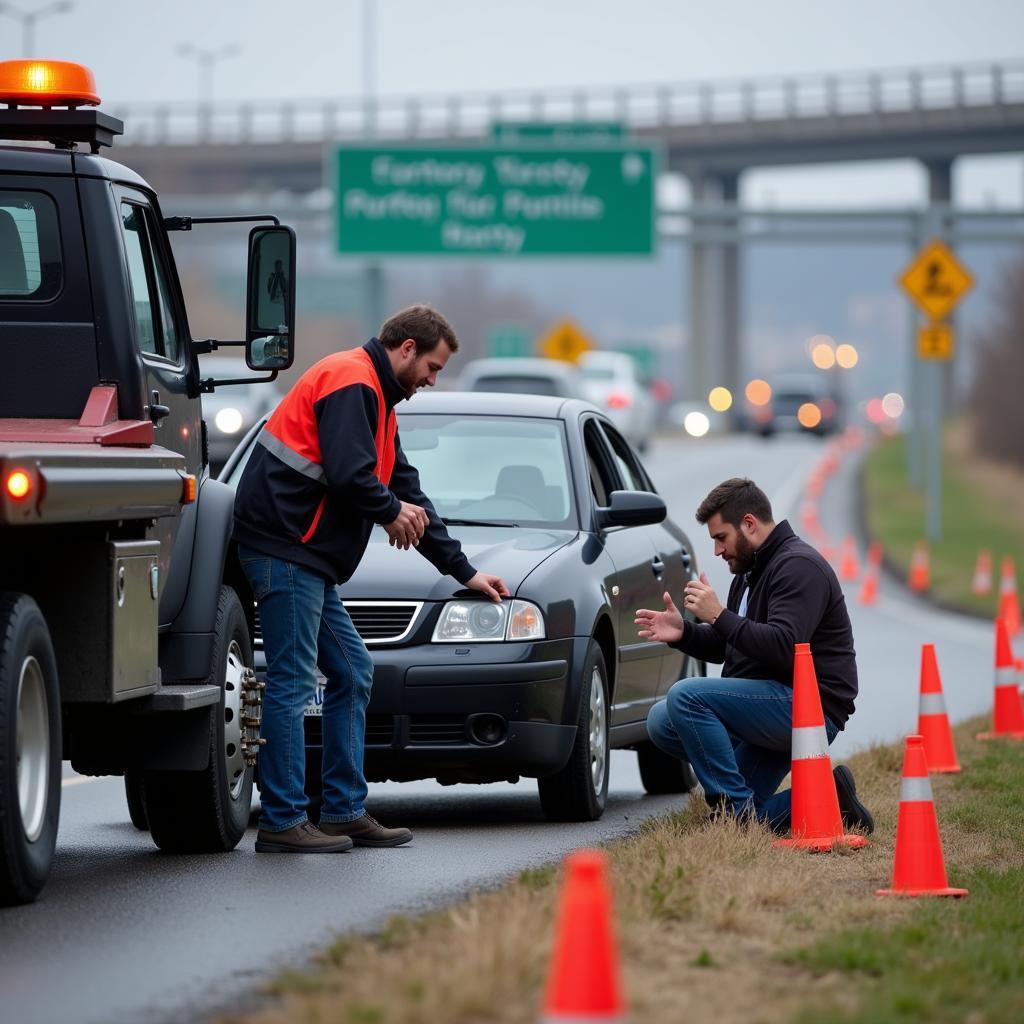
136 800
579 791
208 811
663 773
30 749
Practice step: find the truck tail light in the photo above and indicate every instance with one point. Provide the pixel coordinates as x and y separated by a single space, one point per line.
619 400
19 484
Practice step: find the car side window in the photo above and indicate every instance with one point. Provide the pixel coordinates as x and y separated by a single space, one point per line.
602 476
625 459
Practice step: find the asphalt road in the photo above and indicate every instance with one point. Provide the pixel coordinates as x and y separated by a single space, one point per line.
126 934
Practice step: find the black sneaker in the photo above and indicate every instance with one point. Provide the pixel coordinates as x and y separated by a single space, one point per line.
853 812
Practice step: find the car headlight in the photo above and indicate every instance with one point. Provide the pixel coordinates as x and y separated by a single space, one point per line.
488 622
228 420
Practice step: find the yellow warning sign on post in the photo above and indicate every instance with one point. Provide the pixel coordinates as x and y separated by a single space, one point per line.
935 341
936 280
565 341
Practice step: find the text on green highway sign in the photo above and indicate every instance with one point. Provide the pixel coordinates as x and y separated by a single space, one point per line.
474 201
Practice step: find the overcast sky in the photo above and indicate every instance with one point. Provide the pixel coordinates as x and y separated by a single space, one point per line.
315 48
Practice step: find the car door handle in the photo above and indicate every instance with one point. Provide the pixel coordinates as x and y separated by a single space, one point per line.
687 560
157 411
658 567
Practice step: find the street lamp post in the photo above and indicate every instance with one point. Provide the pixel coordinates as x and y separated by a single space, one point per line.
207 60
28 21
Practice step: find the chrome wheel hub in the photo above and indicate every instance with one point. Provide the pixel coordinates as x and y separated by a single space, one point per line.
234 752
32 748
598 732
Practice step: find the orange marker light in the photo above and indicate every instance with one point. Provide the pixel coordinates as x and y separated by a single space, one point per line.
18 484
189 489
47 83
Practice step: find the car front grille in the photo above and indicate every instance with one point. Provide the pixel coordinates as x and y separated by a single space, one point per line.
390 730
377 622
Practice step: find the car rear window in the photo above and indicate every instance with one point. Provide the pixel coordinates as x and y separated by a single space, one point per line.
519 385
30 261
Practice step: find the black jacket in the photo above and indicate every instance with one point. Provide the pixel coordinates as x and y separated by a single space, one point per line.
328 465
794 598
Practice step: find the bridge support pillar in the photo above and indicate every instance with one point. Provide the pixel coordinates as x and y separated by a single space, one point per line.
940 193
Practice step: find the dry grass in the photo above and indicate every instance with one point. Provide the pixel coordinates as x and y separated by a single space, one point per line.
706 914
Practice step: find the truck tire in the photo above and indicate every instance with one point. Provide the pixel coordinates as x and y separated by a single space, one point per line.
136 800
208 811
662 773
30 749
579 791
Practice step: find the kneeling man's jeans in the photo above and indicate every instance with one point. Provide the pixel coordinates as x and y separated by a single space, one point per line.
737 734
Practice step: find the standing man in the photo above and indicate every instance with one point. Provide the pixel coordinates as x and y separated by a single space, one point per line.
736 731
326 467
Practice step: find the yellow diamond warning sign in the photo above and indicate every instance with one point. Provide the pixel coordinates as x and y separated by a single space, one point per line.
565 341
936 280
935 341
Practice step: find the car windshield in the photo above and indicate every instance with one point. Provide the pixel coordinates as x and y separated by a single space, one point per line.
490 468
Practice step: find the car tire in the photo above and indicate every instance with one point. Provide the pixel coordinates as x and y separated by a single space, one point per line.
662 773
30 750
136 797
579 791
208 811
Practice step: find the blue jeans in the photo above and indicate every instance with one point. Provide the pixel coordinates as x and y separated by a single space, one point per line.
305 624
737 736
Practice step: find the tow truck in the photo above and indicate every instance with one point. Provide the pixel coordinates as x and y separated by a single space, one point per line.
125 618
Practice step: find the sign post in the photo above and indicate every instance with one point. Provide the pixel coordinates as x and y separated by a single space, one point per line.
935 281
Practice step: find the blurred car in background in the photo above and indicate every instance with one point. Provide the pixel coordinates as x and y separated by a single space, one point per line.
800 403
611 380
230 411
549 377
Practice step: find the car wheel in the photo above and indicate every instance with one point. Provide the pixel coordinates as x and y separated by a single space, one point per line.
30 749
208 811
136 797
662 773
579 791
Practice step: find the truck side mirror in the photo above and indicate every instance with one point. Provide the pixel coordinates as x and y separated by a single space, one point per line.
270 299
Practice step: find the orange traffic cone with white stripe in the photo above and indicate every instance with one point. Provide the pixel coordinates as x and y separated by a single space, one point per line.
1007 711
849 566
1009 605
932 720
981 584
584 982
920 571
918 867
816 820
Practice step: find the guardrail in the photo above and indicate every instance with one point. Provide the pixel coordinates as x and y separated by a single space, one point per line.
642 107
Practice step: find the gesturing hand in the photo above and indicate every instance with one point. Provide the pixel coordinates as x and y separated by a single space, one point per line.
700 598
405 530
664 626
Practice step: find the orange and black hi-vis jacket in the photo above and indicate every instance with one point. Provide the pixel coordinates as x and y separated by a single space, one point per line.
328 464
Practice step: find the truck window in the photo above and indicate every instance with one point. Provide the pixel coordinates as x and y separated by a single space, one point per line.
30 261
154 316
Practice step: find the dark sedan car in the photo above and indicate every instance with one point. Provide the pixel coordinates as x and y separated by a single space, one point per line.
546 493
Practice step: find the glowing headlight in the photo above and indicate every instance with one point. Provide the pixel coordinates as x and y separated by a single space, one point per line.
228 421
485 621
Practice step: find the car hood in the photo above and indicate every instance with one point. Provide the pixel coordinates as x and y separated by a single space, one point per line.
509 552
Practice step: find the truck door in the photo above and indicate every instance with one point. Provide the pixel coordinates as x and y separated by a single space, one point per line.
161 338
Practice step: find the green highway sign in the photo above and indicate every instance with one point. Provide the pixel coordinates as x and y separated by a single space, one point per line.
557 131
508 340
480 201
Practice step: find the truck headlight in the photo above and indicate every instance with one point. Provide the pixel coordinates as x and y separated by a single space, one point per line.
488 622
228 420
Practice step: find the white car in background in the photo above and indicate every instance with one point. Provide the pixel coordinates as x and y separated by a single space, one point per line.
612 382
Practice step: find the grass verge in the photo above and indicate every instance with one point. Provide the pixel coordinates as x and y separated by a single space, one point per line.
716 924
982 507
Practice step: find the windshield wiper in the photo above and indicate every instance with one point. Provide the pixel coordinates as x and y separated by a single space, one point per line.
448 521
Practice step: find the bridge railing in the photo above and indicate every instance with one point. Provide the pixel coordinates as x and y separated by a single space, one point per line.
695 105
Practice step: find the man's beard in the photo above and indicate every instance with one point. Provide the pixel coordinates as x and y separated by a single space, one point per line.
409 379
743 560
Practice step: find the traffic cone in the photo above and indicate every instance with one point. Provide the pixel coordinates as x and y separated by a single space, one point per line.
918 868
849 566
920 573
584 981
816 821
875 554
982 582
932 720
869 589
1007 711
1009 606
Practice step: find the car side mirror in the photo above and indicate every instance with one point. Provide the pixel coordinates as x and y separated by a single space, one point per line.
632 508
270 299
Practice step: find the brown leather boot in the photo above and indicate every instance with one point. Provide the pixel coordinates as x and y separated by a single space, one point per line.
302 838
365 831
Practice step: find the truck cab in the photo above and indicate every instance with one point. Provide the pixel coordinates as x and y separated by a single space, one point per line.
125 621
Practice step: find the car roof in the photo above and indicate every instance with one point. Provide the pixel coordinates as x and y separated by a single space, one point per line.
494 403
